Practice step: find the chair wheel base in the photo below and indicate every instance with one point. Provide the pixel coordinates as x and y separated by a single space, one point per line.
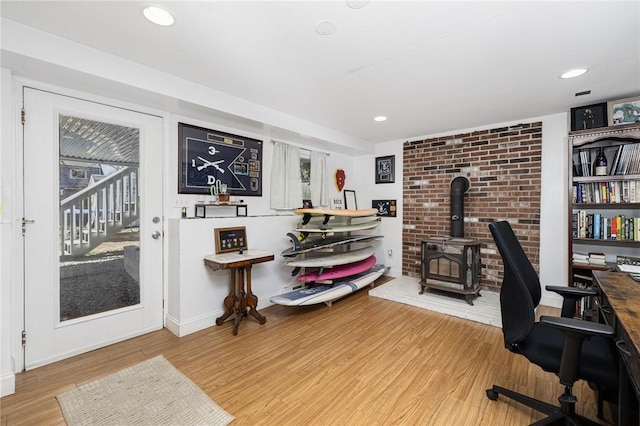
492 395
555 415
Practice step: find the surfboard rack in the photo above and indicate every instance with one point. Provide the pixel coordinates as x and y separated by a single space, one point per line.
334 267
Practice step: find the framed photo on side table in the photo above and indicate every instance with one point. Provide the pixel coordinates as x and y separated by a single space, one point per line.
231 239
385 169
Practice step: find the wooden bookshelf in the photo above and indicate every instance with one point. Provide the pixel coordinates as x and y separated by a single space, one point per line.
618 196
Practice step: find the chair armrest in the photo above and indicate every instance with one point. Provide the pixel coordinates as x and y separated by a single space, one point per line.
573 292
570 295
575 331
578 326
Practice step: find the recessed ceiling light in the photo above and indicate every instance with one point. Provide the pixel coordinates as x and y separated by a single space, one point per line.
574 73
380 118
325 27
158 16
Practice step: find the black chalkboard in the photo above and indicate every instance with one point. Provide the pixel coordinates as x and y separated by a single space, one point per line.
209 157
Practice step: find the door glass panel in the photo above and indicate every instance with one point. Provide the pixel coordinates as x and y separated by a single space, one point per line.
99 238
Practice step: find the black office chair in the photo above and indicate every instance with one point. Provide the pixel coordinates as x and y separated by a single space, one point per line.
571 348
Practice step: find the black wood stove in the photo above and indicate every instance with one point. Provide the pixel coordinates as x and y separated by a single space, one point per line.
452 263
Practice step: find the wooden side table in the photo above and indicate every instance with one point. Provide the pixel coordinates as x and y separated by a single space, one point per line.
240 298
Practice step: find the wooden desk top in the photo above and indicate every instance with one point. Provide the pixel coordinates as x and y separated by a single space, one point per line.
623 295
237 260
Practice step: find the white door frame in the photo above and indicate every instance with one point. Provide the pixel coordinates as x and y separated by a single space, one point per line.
17 314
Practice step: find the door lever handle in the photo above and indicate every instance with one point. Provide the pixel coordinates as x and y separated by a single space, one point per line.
26 222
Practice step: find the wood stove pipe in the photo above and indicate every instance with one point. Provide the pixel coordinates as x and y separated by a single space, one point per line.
459 185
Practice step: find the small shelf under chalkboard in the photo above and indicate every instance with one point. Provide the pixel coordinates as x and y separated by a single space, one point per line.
201 209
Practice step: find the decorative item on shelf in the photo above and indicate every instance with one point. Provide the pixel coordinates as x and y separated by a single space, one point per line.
350 202
385 169
624 111
589 116
600 164
336 203
219 192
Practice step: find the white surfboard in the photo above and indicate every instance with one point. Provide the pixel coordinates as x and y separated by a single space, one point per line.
329 293
333 259
329 228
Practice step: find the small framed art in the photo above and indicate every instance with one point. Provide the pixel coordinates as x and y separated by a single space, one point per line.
231 239
589 116
384 208
350 202
624 111
385 169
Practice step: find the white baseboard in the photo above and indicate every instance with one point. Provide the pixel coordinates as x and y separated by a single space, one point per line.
7 384
182 328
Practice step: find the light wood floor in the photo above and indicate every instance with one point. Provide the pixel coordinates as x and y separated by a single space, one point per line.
362 361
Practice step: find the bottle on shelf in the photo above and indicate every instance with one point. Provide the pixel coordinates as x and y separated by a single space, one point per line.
600 165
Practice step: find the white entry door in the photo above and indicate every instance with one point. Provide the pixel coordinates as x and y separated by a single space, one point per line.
92 225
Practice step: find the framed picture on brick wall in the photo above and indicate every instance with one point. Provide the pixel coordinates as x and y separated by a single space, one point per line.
385 169
589 117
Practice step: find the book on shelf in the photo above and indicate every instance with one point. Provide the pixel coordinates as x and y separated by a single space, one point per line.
579 255
610 192
580 258
597 259
596 255
627 160
599 227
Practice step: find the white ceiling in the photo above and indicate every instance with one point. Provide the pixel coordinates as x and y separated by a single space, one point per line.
430 66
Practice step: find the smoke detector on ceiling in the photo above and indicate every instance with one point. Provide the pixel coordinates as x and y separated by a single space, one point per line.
325 27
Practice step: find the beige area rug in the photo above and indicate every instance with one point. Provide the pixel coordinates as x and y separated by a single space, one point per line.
485 309
153 392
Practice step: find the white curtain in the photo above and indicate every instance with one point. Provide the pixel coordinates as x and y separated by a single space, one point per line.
318 179
286 184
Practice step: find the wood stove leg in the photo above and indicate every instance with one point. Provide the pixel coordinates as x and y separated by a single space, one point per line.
469 299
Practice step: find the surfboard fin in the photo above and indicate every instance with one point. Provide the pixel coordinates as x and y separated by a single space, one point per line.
295 240
306 218
326 219
295 271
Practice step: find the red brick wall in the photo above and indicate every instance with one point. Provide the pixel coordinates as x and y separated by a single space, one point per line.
503 166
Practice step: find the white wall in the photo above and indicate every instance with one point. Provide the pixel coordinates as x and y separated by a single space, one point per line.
7 231
389 251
